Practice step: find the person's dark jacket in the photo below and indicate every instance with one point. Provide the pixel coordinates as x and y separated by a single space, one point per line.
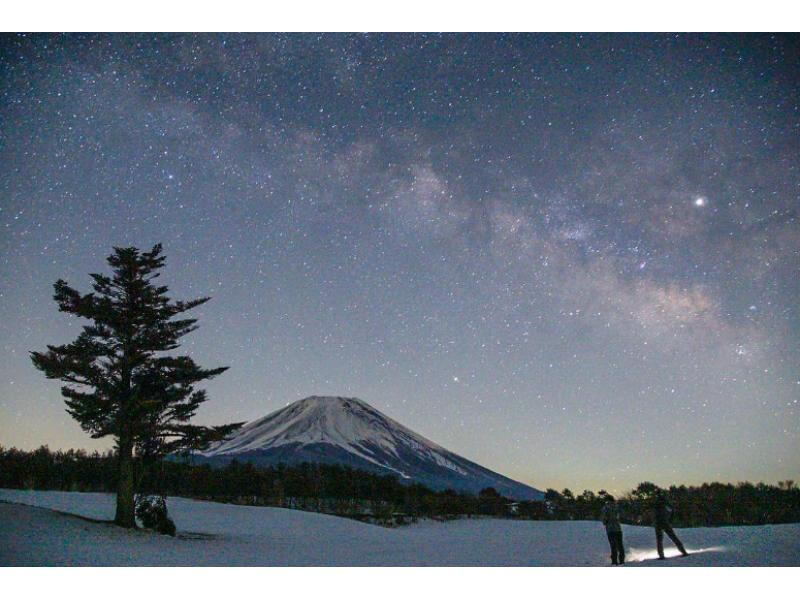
610 515
662 513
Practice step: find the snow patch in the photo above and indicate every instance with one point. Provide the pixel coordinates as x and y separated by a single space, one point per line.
228 535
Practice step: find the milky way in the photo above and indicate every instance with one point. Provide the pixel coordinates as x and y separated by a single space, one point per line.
572 259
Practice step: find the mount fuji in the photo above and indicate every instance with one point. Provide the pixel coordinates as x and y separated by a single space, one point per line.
348 431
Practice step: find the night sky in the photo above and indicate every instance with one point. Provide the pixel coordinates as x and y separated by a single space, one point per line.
572 259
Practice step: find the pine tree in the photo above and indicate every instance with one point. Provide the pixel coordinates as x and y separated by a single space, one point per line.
120 381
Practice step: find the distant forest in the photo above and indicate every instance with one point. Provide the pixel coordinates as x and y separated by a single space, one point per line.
353 493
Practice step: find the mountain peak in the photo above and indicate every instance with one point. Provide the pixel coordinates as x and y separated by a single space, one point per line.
329 399
349 431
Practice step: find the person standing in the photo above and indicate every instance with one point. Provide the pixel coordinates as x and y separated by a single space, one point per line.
610 515
662 514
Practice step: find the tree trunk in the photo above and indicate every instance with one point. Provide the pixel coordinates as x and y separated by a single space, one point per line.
126 515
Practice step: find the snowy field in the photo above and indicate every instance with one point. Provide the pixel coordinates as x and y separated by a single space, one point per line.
225 535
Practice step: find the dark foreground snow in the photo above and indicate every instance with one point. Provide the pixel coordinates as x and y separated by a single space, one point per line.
218 534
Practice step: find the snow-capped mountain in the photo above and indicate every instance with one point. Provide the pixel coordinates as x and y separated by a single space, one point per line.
350 432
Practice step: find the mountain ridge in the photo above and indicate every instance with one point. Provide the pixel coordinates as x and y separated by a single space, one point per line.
349 431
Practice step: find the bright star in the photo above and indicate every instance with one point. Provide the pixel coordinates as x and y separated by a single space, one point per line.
700 201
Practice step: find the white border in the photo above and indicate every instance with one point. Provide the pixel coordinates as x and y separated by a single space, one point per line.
399 582
405 15
409 15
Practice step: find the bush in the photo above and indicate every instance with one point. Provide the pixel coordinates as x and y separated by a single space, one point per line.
152 512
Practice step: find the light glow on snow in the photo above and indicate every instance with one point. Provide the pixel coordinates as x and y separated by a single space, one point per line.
637 555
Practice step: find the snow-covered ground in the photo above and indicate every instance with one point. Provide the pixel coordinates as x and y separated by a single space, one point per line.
218 534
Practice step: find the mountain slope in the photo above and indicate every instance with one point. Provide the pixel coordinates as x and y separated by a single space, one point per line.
350 432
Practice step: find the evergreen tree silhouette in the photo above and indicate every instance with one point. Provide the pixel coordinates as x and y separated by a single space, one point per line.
120 381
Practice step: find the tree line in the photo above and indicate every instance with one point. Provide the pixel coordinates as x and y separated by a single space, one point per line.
710 504
328 488
360 494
